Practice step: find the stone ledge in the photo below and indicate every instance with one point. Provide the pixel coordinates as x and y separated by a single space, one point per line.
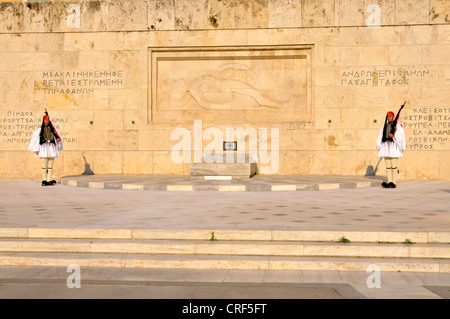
227 248
227 235
222 262
235 170
223 183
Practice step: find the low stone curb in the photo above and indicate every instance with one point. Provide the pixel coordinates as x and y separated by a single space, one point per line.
425 237
235 249
222 262
219 187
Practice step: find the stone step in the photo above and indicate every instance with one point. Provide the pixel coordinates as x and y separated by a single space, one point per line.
225 234
233 165
237 248
225 183
223 262
235 170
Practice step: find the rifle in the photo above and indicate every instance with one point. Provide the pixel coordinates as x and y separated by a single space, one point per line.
390 128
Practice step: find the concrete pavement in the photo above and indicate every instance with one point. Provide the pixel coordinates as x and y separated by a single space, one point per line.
51 282
413 206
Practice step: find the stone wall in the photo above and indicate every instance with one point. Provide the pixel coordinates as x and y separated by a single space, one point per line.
120 77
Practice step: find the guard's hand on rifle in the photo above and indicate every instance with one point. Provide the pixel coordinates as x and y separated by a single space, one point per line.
391 135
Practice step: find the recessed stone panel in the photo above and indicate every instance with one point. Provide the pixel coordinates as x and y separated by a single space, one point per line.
215 83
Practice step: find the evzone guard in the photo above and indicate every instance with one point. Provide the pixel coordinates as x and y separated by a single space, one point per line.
45 143
391 144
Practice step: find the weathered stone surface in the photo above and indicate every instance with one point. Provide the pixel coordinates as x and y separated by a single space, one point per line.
37 17
127 15
318 13
140 163
79 41
387 11
120 77
140 15
284 13
351 13
161 15
94 15
64 18
439 11
11 16
163 164
122 140
412 12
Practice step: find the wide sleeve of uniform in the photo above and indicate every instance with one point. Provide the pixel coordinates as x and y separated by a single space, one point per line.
34 142
379 139
400 138
59 144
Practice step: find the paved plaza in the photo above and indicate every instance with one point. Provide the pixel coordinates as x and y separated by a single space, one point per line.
413 206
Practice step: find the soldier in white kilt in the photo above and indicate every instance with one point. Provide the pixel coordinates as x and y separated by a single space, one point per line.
391 144
45 143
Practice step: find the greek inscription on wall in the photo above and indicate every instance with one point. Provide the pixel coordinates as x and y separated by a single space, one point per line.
80 82
17 127
428 128
382 77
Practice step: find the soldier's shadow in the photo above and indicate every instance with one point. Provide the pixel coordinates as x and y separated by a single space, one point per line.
371 171
87 168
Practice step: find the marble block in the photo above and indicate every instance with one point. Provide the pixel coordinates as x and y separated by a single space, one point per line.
236 170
